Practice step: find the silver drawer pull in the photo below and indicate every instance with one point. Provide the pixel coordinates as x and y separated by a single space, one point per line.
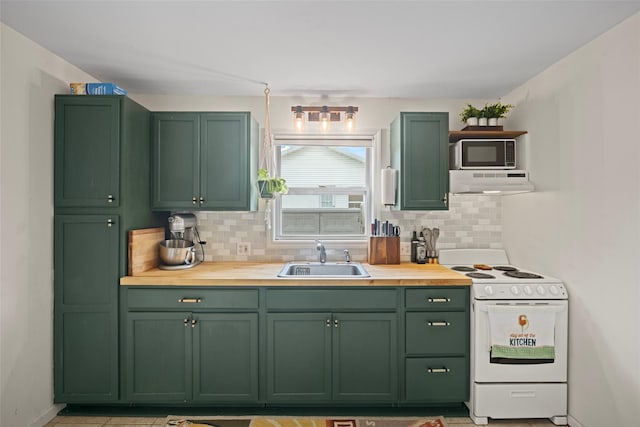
438 324
190 300
438 370
438 299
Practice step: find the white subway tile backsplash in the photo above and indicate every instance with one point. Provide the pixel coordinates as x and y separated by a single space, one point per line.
472 221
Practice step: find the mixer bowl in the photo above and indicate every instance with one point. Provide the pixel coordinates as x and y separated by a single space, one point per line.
176 252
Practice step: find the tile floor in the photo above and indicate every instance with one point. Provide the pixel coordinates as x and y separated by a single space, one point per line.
78 421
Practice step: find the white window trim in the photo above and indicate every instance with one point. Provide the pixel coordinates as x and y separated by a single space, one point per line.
367 139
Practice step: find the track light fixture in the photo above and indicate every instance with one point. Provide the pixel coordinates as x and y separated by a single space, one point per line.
324 115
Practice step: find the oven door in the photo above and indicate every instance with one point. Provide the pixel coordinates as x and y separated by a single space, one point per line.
485 370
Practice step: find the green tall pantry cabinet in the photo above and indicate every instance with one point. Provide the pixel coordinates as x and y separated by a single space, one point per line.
420 151
101 191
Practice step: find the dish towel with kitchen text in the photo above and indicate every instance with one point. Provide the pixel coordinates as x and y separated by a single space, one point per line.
522 332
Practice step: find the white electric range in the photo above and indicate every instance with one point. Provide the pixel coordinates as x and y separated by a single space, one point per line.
505 388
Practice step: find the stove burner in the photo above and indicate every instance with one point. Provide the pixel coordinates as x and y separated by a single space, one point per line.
505 268
480 276
462 268
523 275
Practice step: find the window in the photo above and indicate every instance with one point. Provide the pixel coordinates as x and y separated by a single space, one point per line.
329 180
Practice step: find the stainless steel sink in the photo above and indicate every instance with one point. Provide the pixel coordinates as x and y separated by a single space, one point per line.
303 270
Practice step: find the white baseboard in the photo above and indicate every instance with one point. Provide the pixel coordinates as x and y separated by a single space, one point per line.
48 415
572 422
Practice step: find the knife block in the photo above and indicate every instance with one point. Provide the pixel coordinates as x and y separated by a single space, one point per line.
384 250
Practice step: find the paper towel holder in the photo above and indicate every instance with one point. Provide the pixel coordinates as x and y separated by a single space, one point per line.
388 186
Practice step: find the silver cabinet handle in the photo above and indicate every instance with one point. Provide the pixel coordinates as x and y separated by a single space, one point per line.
190 300
110 198
194 200
438 299
438 323
335 323
201 200
445 198
186 322
438 370
109 223
328 323
193 323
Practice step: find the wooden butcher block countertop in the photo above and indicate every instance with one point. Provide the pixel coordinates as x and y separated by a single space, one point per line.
265 274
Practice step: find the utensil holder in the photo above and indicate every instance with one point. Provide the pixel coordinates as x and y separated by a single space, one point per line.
384 250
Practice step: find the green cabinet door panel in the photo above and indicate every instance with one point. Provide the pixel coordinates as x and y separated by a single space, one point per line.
420 150
85 357
176 154
86 260
225 357
436 333
298 357
158 358
87 151
365 355
85 308
436 380
224 161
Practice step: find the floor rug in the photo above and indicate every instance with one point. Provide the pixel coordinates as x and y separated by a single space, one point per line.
320 421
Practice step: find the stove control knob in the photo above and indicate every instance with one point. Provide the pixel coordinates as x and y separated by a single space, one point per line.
515 290
554 290
488 290
527 290
540 289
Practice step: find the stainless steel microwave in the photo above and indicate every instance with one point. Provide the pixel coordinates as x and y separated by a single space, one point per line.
483 154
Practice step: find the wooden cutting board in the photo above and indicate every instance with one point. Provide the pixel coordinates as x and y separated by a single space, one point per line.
143 249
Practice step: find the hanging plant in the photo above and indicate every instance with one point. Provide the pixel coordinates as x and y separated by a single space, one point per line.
269 183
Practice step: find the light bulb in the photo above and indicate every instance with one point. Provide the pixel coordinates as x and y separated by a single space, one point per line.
350 119
325 118
298 119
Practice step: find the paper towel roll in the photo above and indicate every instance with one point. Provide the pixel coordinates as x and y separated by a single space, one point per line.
388 185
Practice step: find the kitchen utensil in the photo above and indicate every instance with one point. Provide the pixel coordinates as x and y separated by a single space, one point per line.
435 233
427 238
176 252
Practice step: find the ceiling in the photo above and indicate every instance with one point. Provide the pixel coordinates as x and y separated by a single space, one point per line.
400 48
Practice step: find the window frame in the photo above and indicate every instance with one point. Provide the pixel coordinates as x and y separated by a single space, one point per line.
366 140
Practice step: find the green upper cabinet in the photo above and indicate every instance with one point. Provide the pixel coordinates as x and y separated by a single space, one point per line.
420 151
87 144
205 161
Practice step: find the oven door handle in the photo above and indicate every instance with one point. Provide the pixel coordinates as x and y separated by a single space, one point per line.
546 306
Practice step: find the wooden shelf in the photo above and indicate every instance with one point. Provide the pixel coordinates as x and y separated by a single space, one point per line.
456 135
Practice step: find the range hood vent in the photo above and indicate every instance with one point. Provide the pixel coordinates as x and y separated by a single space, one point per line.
489 181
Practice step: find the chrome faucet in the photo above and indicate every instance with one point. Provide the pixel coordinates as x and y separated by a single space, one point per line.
323 252
347 255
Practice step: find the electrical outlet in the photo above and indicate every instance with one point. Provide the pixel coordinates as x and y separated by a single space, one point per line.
243 248
405 248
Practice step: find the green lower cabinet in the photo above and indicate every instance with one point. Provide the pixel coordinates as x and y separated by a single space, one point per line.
225 357
324 357
182 357
434 380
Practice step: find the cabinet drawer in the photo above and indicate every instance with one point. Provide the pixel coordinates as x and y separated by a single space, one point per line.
331 299
438 298
444 379
192 298
437 333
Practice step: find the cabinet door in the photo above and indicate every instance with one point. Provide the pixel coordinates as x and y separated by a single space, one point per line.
225 357
176 166
224 161
420 150
87 151
158 357
365 355
298 357
85 308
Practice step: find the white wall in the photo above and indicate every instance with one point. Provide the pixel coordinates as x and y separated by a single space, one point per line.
30 76
583 223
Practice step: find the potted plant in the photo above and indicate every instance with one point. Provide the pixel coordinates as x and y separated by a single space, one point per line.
496 111
470 115
269 186
482 117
